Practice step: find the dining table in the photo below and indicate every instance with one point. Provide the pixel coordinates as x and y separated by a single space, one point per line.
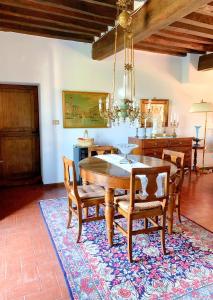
96 170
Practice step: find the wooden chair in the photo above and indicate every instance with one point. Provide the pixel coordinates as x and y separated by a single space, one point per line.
99 150
178 159
81 196
135 206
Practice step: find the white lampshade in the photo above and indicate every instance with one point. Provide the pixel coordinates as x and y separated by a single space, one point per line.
201 107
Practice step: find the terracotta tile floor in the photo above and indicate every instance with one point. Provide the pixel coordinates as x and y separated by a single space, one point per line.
29 269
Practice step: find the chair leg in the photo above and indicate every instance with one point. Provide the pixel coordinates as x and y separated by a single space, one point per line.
178 207
69 212
145 223
156 219
79 224
129 240
86 212
97 210
170 212
162 232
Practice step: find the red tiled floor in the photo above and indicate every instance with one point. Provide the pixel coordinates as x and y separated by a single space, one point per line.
28 265
197 199
29 269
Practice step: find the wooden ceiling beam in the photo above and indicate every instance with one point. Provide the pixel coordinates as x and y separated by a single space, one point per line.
173 42
43 25
44 32
30 14
198 19
168 47
153 16
85 8
157 50
205 62
206 9
184 36
191 29
108 3
44 7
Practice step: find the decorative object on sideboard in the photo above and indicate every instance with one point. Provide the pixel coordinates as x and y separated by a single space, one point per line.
81 109
123 105
85 141
197 128
147 115
196 139
126 149
174 124
202 107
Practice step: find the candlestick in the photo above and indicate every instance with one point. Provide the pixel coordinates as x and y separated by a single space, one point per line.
107 103
136 133
174 124
100 104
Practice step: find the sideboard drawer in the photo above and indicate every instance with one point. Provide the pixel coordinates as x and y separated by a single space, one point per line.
180 142
156 143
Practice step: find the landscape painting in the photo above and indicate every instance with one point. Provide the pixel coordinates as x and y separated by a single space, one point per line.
81 109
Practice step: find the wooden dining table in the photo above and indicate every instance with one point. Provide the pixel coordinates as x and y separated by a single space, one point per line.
98 171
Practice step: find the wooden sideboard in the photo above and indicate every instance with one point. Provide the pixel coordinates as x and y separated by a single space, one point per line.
154 147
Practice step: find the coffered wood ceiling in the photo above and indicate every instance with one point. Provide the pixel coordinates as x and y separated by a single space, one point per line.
78 20
170 26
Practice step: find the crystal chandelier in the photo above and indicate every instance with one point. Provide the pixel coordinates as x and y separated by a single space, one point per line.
128 108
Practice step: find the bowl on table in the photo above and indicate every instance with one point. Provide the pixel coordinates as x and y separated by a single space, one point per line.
126 149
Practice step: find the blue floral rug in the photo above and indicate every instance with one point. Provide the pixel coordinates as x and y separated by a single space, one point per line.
95 271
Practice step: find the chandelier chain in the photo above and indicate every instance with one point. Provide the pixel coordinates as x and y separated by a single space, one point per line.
126 107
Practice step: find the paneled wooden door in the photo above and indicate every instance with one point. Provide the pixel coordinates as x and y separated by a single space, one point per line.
19 135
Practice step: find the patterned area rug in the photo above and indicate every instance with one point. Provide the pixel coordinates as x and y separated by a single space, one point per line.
93 270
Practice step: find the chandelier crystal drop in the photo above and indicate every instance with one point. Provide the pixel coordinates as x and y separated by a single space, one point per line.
124 105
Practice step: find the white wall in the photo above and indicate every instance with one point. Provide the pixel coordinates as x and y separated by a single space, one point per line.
60 65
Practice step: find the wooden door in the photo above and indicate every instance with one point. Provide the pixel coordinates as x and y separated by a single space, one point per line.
19 135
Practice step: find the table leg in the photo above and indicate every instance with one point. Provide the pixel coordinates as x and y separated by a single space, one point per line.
195 161
170 213
109 214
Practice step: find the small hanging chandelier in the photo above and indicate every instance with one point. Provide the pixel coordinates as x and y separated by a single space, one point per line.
127 108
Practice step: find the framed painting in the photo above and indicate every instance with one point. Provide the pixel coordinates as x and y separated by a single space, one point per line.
159 109
81 109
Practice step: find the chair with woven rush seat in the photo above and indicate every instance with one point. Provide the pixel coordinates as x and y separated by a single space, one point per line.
99 150
149 207
175 187
81 196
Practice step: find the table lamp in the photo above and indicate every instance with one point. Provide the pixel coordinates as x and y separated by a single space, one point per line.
202 107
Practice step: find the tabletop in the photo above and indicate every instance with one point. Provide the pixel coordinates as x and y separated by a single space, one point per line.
102 167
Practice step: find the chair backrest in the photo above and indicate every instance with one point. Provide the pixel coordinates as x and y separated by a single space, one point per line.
99 150
178 159
71 186
151 188
175 157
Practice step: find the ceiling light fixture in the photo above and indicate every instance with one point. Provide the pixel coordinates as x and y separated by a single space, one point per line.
126 108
